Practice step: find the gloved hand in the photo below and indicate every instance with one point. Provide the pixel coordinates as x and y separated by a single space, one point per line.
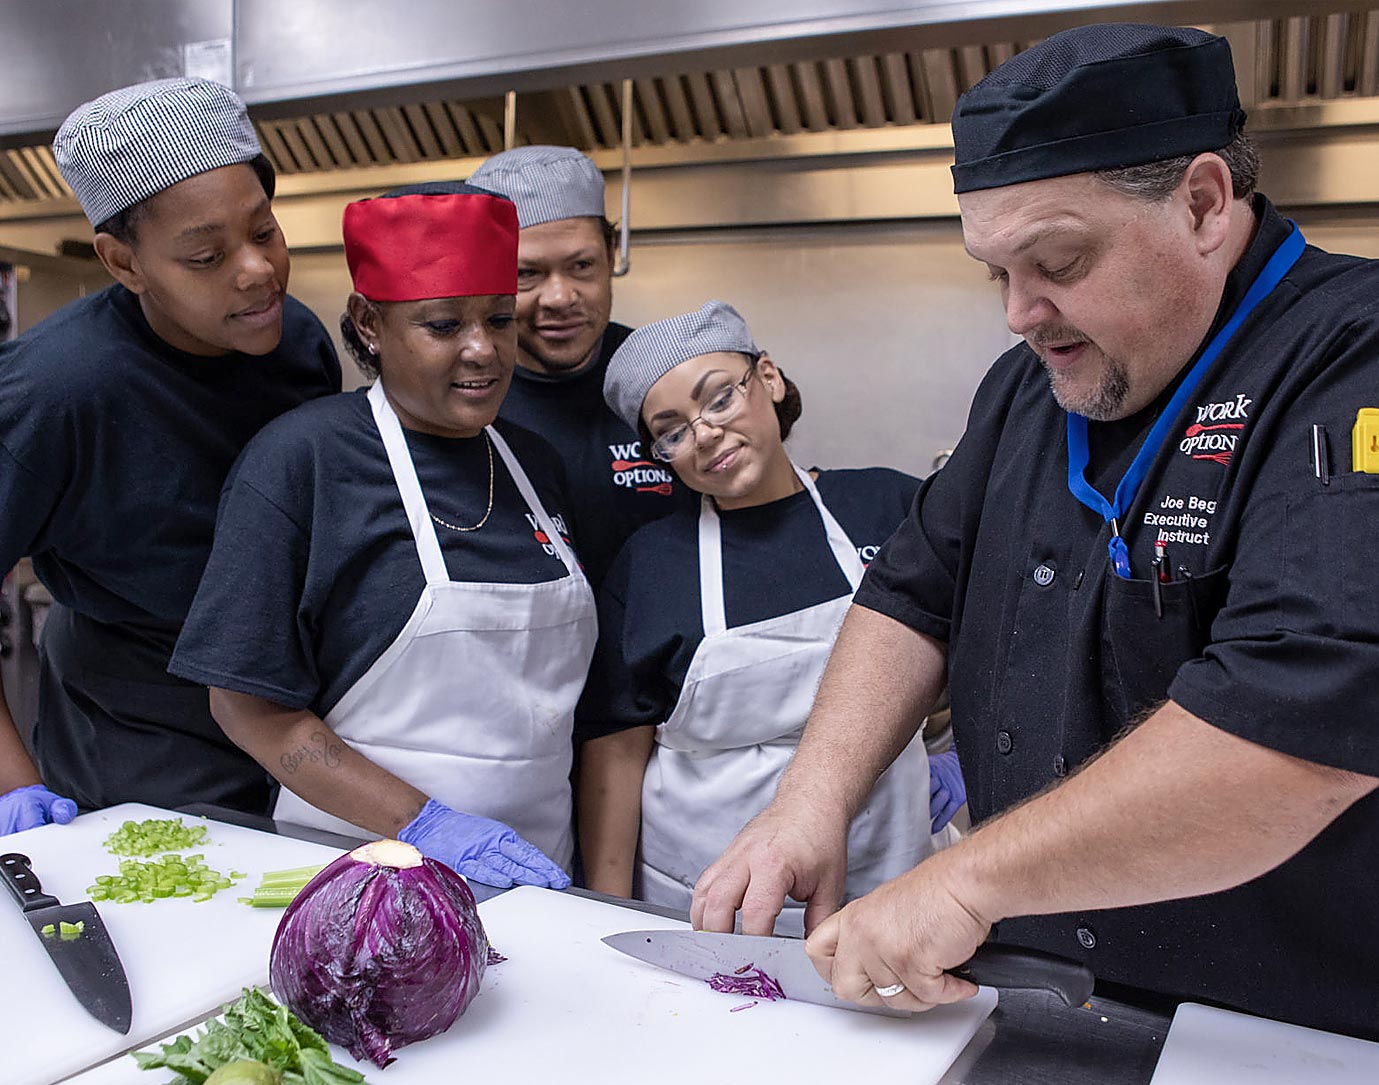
32 806
480 848
946 789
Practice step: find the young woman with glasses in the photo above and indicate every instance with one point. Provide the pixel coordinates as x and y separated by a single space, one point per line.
716 622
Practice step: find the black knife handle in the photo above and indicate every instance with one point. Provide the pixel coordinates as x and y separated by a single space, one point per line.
21 880
1009 966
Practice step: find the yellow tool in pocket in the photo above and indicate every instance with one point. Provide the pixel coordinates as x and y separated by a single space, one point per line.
1364 441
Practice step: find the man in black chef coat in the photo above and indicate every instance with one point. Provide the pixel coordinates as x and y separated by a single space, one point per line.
1147 571
565 339
119 417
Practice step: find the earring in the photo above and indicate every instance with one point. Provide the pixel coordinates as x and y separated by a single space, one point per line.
373 348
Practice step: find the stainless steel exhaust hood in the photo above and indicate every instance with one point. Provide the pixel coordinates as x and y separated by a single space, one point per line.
342 88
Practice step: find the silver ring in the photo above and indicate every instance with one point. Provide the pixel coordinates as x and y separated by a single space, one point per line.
889 991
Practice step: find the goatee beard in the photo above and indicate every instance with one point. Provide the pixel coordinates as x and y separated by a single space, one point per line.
1104 402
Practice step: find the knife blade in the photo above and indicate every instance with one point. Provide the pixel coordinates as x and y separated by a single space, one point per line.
703 954
82 951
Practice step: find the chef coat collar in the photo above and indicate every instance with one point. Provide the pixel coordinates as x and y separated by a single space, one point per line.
1270 230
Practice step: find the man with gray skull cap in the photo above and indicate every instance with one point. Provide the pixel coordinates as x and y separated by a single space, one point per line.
565 340
1142 571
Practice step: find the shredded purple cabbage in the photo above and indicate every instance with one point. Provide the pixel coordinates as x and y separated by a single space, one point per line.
494 957
375 957
749 981
744 1006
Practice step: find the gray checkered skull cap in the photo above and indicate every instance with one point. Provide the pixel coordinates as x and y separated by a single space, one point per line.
134 142
653 350
546 183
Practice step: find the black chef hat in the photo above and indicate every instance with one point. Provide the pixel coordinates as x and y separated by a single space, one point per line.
1095 98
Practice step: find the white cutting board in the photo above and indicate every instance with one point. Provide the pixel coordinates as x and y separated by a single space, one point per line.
564 1007
1208 1046
183 959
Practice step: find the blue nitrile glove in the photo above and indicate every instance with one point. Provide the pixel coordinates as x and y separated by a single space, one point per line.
480 848
32 806
946 789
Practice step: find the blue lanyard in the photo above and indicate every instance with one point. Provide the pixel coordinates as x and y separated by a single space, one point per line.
1280 263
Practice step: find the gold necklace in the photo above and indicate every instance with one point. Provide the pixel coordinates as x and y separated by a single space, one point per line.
487 512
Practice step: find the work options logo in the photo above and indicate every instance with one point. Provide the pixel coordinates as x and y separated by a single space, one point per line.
1215 433
631 472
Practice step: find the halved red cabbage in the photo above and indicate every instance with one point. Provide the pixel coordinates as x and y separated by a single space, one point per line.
381 949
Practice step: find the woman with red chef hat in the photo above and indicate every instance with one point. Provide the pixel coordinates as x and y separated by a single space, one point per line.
393 622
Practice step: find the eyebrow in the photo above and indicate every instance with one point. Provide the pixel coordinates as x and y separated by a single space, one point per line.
699 384
215 227
694 394
198 231
534 263
1044 233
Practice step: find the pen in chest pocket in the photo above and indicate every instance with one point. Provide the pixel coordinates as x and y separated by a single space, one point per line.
1321 462
1160 573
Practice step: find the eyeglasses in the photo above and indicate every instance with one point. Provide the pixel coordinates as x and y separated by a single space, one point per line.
723 406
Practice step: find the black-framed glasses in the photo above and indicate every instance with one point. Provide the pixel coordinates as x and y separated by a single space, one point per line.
723 406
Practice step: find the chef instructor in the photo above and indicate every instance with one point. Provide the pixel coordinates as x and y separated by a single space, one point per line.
1145 572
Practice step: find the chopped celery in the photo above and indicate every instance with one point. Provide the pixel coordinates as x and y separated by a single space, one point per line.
159 879
150 837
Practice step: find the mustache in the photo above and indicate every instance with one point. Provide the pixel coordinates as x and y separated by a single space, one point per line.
1061 334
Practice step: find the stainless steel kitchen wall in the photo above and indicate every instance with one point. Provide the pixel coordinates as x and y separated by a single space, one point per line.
56 54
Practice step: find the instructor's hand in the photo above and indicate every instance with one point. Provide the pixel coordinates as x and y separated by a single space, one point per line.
788 849
32 806
480 848
904 932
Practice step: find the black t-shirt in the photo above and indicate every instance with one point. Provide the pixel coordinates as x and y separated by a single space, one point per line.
1269 631
776 560
315 570
614 489
114 447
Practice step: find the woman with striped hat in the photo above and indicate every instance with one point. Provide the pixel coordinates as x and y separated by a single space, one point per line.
716 623
119 417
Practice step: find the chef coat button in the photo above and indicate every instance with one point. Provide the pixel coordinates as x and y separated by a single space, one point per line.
1086 938
1060 766
1044 574
1004 742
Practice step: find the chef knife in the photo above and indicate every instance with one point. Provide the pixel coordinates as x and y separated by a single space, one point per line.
85 957
702 954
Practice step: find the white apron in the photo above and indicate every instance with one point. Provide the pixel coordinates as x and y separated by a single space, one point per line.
741 711
474 702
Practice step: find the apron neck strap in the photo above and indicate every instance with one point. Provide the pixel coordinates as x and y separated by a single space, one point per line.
414 501
538 510
405 475
843 550
713 611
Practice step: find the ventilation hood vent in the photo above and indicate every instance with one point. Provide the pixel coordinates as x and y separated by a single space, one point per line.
1282 64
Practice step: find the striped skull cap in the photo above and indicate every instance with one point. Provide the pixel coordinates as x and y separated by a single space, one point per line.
546 183
134 142
653 350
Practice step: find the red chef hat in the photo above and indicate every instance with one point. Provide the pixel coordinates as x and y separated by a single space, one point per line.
441 240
